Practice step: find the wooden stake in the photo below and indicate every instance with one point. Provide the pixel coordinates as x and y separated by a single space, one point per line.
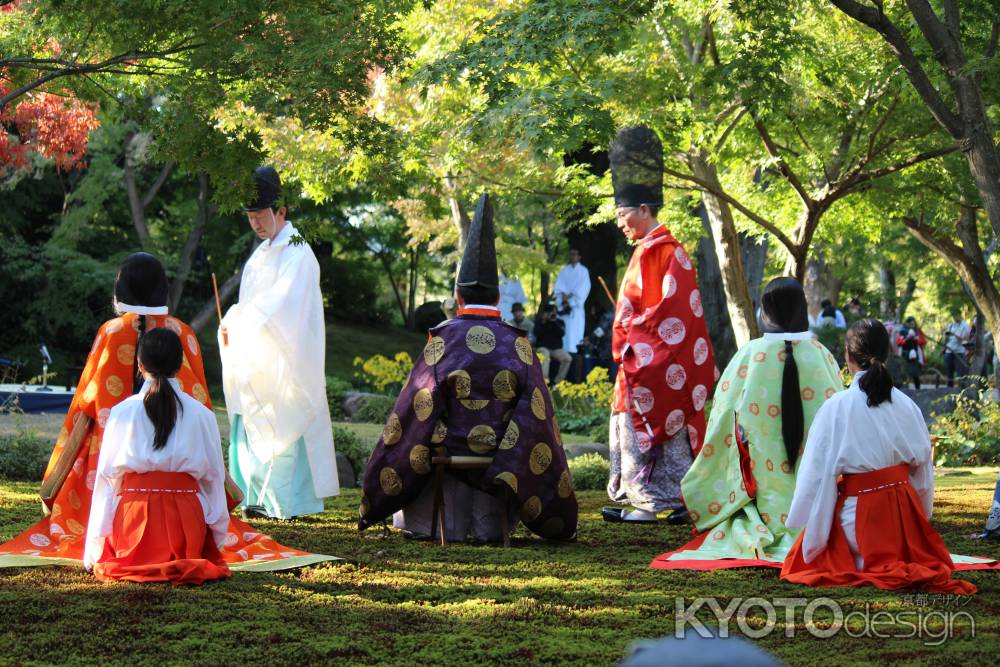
607 291
218 309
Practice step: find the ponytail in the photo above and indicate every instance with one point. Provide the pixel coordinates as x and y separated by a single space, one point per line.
161 355
792 417
868 347
877 383
161 403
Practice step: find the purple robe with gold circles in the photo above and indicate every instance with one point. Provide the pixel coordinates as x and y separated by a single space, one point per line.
477 390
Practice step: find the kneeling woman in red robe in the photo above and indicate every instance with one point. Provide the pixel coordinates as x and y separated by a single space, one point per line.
871 527
159 507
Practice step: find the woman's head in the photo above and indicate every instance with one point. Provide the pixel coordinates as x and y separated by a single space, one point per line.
141 281
160 357
783 306
867 349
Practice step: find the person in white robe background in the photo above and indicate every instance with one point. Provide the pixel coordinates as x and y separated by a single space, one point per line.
571 290
273 345
511 292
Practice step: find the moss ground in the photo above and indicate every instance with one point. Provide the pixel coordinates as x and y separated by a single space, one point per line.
394 602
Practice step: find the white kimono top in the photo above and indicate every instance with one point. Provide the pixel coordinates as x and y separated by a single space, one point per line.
847 436
574 282
273 368
193 447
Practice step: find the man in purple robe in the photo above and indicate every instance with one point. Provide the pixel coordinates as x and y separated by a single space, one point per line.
477 390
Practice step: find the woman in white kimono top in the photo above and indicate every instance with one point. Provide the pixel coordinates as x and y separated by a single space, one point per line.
865 486
159 508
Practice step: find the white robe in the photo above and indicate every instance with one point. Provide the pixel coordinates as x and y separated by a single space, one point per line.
574 282
193 447
847 436
273 366
511 292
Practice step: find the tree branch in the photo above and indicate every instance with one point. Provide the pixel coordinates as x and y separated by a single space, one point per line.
877 21
858 177
729 128
157 184
991 47
783 167
763 222
102 66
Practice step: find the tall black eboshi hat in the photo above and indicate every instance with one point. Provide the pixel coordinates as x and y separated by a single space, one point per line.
636 157
268 185
479 263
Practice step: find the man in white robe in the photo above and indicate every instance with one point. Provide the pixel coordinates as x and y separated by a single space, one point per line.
571 290
273 345
511 292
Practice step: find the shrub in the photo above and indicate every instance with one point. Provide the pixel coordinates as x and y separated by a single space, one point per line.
375 409
590 472
970 433
348 443
382 374
23 456
584 407
335 389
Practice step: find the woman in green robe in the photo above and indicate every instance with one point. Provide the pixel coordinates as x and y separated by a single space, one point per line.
740 486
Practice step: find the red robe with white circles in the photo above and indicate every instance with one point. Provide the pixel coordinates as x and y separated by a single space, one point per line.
666 369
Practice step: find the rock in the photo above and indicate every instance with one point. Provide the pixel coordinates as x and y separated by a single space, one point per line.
353 400
579 449
933 399
345 472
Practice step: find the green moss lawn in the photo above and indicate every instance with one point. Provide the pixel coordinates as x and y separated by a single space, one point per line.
393 602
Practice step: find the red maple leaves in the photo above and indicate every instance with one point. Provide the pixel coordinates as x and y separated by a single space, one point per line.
50 125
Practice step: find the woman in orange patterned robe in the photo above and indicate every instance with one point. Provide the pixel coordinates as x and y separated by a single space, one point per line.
109 377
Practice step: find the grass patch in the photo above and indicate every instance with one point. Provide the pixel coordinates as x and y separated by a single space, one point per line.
400 603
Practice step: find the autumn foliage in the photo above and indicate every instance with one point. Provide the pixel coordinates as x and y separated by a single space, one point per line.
50 125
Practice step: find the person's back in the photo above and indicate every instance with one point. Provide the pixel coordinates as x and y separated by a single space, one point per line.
159 508
865 487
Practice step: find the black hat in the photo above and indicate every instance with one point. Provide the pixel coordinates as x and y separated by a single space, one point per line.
141 281
636 156
268 186
479 263
783 305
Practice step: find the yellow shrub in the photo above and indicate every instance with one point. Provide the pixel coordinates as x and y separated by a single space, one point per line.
382 373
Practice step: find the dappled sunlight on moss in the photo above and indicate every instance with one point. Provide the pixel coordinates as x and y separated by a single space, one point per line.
398 602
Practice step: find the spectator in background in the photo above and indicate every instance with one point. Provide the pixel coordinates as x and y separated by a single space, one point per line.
521 322
830 316
549 332
854 309
956 335
910 342
511 292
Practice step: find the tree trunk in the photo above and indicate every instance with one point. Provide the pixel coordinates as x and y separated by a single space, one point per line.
713 296
984 164
906 299
820 283
887 289
459 217
727 248
205 211
754 263
208 311
387 265
411 305
966 259
135 206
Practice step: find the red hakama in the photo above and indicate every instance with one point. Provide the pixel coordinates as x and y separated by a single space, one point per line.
160 533
898 545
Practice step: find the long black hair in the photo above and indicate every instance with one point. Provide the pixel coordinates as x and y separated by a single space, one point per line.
783 306
868 347
161 356
141 281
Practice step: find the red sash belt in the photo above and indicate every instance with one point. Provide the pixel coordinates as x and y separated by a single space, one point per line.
159 482
855 484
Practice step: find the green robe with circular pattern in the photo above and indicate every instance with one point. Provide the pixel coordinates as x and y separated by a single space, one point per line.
748 397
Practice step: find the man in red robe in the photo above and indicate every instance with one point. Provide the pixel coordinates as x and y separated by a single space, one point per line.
659 339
